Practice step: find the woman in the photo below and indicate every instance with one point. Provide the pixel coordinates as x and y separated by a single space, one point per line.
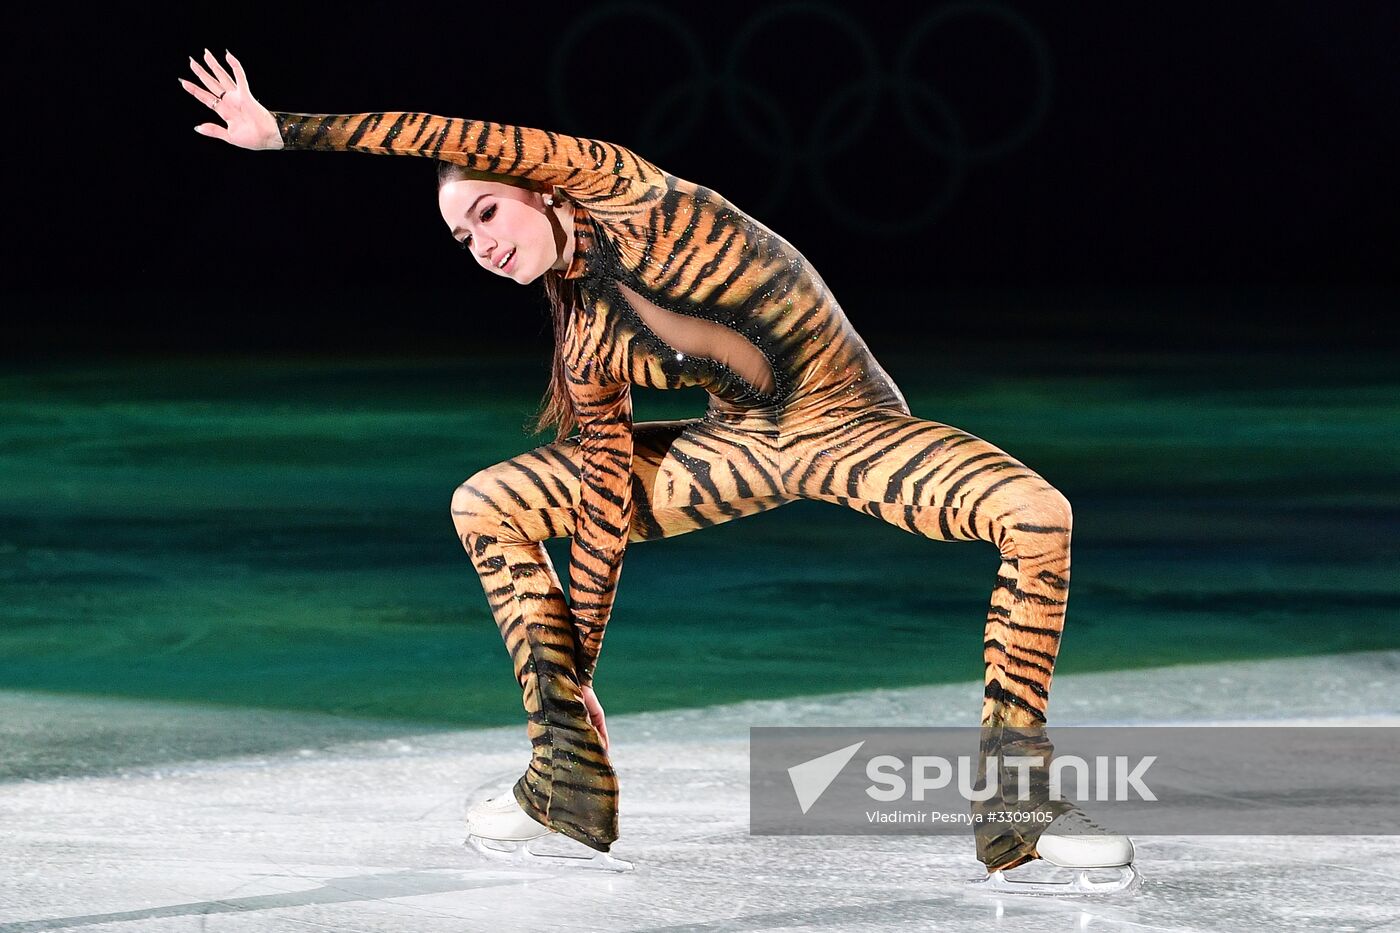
659 282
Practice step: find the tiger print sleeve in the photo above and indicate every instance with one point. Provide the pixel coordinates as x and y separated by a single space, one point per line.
604 512
589 170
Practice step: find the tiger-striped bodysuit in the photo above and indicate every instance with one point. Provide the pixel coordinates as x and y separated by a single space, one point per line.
678 287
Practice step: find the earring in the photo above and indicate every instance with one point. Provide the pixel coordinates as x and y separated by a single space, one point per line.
549 200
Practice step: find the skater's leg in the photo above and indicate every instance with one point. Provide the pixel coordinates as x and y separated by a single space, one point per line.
943 483
534 622
686 475
940 482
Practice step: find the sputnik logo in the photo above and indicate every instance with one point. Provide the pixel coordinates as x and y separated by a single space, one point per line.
811 778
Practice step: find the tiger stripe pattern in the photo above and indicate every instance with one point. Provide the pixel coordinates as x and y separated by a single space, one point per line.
678 287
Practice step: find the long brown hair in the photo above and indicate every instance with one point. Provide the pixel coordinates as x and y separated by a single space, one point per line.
557 407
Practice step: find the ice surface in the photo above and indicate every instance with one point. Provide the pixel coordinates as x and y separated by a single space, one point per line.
360 829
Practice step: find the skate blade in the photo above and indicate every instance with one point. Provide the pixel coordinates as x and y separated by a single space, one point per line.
1128 881
520 854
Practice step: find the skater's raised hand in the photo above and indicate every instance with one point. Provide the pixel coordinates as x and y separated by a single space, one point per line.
595 714
249 124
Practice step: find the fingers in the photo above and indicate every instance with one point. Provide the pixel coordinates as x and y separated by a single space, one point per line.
214 130
595 714
206 79
601 725
238 74
218 70
201 95
217 83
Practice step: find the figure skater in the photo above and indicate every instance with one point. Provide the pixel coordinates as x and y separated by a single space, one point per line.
659 282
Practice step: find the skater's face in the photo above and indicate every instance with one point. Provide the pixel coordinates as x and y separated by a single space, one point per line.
498 222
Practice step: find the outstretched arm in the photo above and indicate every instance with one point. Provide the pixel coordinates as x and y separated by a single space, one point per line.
589 170
586 168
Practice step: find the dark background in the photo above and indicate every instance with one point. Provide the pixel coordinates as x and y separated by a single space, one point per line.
1184 174
1146 249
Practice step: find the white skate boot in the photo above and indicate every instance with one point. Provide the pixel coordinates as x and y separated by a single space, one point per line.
1073 841
500 830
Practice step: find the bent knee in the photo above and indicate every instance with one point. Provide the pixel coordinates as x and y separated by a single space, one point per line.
473 510
1054 509
1041 517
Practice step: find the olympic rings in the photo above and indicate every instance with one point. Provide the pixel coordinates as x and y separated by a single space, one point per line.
689 44
830 133
730 81
1040 51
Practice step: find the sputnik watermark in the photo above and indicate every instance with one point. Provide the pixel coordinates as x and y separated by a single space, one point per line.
1170 779
891 785
1103 777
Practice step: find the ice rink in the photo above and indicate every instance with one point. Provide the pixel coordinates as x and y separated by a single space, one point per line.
360 827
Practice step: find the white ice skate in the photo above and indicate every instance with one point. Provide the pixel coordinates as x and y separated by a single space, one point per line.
500 830
1076 842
